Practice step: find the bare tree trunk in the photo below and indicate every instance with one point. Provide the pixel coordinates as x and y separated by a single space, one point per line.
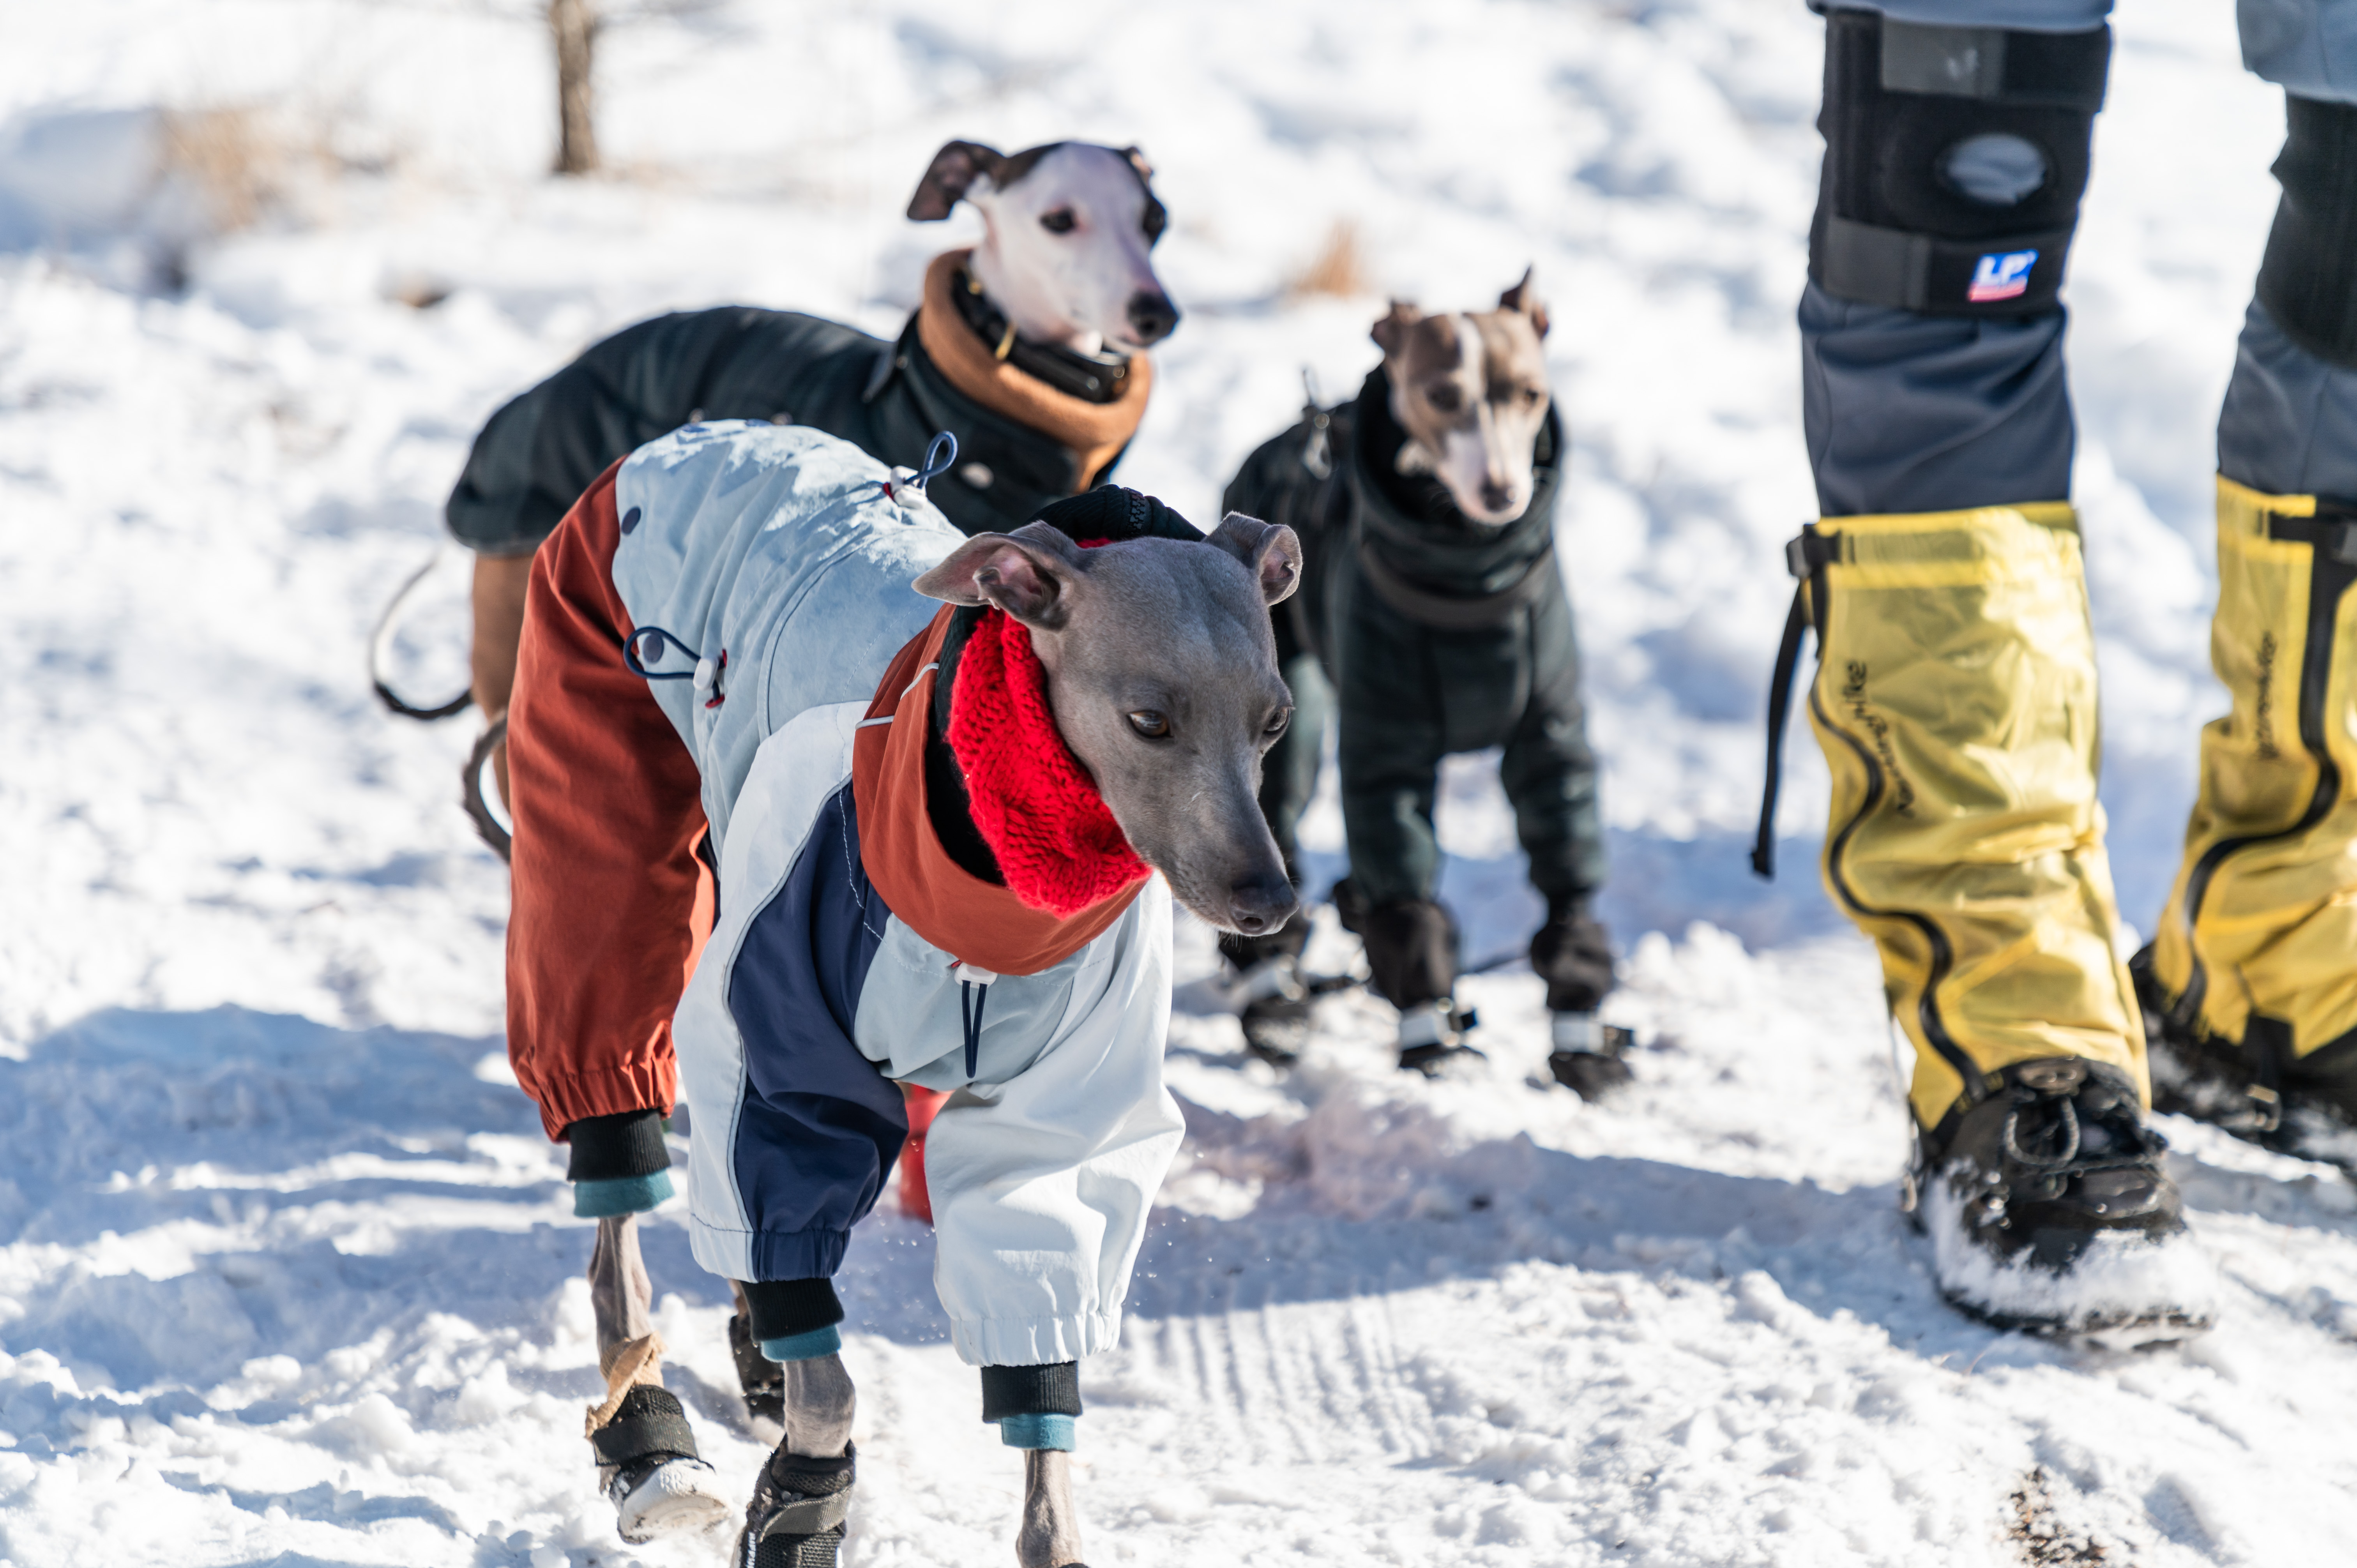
574 24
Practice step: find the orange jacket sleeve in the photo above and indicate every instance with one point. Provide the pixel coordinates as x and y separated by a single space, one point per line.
611 904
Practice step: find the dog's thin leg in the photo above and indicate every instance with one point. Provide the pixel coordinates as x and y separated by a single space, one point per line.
819 1406
1051 1525
499 589
620 1292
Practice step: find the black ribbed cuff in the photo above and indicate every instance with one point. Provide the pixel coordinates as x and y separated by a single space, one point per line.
615 1148
1051 1390
783 1308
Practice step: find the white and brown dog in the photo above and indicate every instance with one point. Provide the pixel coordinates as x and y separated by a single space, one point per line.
1470 389
1433 603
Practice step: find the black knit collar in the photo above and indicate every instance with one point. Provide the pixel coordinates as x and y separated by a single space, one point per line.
1092 378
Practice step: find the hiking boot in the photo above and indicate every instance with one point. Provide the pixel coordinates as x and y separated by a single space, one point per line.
1586 1056
796 1517
2049 1210
762 1381
2303 1106
648 1469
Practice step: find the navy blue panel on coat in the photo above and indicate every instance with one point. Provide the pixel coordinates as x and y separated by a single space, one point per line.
820 1125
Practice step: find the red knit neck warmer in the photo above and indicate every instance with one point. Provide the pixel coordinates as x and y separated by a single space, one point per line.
1057 844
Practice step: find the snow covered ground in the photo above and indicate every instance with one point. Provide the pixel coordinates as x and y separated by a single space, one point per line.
288 1274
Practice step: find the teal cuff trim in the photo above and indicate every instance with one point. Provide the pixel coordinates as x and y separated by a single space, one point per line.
804 1346
1059 1431
624 1194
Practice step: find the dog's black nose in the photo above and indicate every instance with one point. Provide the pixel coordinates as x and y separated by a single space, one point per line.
1259 905
1152 316
1495 496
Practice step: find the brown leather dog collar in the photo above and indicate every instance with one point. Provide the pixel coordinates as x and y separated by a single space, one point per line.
1096 432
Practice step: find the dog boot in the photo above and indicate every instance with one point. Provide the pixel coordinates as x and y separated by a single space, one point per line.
1432 1037
1271 991
2049 1210
647 1466
1411 964
1276 1000
796 1517
763 1383
1586 1059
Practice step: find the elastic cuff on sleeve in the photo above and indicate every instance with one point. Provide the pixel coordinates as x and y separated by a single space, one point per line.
804 1347
627 1195
1058 1432
609 1148
1050 1390
784 1309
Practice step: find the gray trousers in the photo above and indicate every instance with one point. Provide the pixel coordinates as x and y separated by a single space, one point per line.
1906 412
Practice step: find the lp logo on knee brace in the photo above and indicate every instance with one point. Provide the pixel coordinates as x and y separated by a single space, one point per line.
2002 275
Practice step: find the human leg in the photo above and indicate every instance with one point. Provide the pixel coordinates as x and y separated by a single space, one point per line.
1956 696
2248 984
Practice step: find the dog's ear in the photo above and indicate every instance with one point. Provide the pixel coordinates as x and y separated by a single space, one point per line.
1524 297
1137 157
1272 550
1029 574
954 171
1391 332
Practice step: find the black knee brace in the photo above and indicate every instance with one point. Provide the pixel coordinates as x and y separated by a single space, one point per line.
2308 280
1955 161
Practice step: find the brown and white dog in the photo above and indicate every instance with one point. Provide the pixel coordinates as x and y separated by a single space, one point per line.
1470 390
1433 603
1068 229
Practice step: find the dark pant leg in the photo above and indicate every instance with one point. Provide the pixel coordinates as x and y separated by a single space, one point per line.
1549 771
1288 778
1391 743
1906 412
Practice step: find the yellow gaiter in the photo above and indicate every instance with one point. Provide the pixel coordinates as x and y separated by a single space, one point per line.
1954 700
2261 928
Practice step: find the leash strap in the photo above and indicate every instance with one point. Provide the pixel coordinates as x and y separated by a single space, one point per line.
1806 558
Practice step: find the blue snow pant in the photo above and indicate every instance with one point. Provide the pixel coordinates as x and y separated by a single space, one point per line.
1909 413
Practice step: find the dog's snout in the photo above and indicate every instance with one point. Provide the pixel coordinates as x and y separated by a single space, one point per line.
1259 905
1152 317
1495 496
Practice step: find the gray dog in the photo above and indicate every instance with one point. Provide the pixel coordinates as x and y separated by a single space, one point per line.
937 778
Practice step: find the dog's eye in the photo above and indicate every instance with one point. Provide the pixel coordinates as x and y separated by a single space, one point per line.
1278 723
1060 221
1533 396
1153 221
1149 723
1444 397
